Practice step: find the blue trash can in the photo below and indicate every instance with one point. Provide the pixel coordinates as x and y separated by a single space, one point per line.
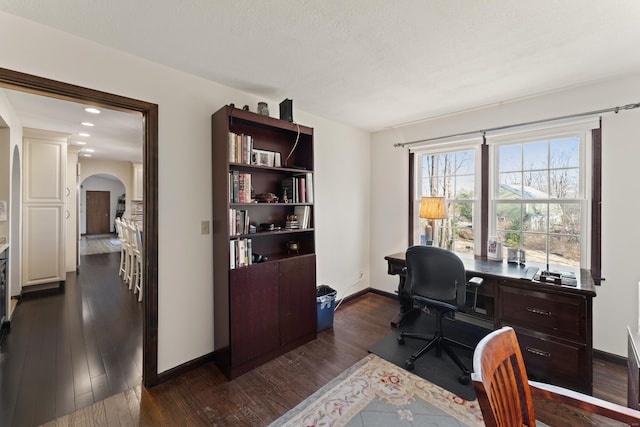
326 300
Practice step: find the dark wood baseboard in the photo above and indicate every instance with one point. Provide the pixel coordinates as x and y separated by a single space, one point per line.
609 357
184 368
383 293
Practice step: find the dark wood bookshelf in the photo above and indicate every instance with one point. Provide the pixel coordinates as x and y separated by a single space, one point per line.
262 310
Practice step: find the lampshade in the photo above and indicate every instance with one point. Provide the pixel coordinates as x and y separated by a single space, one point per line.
432 208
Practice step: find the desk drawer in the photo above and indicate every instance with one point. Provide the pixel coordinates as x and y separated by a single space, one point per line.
559 362
557 314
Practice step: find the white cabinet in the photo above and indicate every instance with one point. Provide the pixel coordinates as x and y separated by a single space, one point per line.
137 181
44 228
137 195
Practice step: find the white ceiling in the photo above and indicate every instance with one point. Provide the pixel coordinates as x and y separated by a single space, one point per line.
372 64
114 136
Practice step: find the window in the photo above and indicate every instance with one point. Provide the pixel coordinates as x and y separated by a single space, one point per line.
452 175
535 188
539 198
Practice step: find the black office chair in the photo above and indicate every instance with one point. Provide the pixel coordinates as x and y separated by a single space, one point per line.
437 280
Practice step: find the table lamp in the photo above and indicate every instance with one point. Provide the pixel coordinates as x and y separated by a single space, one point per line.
431 208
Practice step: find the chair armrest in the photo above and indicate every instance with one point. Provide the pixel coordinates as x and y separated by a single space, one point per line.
583 401
475 281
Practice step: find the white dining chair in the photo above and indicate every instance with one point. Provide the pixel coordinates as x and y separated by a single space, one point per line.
139 259
123 236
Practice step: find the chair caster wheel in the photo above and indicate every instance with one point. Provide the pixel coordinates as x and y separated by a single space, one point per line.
464 378
400 339
409 365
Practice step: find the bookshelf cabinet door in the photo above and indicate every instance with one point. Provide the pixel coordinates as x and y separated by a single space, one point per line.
298 313
254 312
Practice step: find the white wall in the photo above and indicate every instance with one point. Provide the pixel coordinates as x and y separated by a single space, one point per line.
616 304
185 106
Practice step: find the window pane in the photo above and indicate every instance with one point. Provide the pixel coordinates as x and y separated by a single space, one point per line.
510 186
465 162
465 186
460 236
508 216
564 218
536 155
565 153
565 183
535 247
564 250
534 217
536 185
510 158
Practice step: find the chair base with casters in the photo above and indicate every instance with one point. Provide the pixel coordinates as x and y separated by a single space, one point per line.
437 341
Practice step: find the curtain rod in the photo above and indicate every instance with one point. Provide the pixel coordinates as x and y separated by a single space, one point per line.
483 131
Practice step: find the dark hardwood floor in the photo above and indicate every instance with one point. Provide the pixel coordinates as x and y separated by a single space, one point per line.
68 350
204 397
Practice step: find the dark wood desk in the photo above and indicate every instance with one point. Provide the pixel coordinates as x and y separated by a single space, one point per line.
554 323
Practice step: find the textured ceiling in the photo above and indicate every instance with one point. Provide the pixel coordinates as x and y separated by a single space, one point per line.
371 64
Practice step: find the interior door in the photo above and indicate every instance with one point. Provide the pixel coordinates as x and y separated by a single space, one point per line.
98 208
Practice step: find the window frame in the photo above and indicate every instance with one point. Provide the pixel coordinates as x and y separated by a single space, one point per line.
481 214
416 189
583 199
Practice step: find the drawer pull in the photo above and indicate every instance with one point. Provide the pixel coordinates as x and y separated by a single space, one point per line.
538 311
538 352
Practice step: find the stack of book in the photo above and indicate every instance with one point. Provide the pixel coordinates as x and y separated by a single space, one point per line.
298 189
240 148
239 187
238 222
240 253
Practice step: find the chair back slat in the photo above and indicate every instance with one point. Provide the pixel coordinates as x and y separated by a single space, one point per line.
498 379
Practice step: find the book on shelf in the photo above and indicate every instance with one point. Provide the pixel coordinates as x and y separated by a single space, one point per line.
303 213
289 187
306 187
298 189
240 253
240 148
238 221
239 187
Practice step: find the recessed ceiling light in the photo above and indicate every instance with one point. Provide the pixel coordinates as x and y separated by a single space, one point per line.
87 124
86 155
84 134
88 150
81 143
92 110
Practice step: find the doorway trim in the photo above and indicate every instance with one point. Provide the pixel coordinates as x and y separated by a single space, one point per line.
42 86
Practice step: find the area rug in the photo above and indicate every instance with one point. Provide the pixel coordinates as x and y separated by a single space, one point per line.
438 370
374 392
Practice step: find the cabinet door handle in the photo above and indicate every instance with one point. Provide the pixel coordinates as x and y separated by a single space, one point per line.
538 311
538 352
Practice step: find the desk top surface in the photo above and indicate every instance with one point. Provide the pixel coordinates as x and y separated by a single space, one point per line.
583 282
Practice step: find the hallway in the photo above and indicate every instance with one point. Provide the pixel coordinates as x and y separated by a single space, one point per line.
68 350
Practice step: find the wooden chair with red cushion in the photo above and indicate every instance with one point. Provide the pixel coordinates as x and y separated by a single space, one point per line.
505 394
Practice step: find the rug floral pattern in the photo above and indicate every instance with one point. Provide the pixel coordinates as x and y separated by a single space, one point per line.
380 382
